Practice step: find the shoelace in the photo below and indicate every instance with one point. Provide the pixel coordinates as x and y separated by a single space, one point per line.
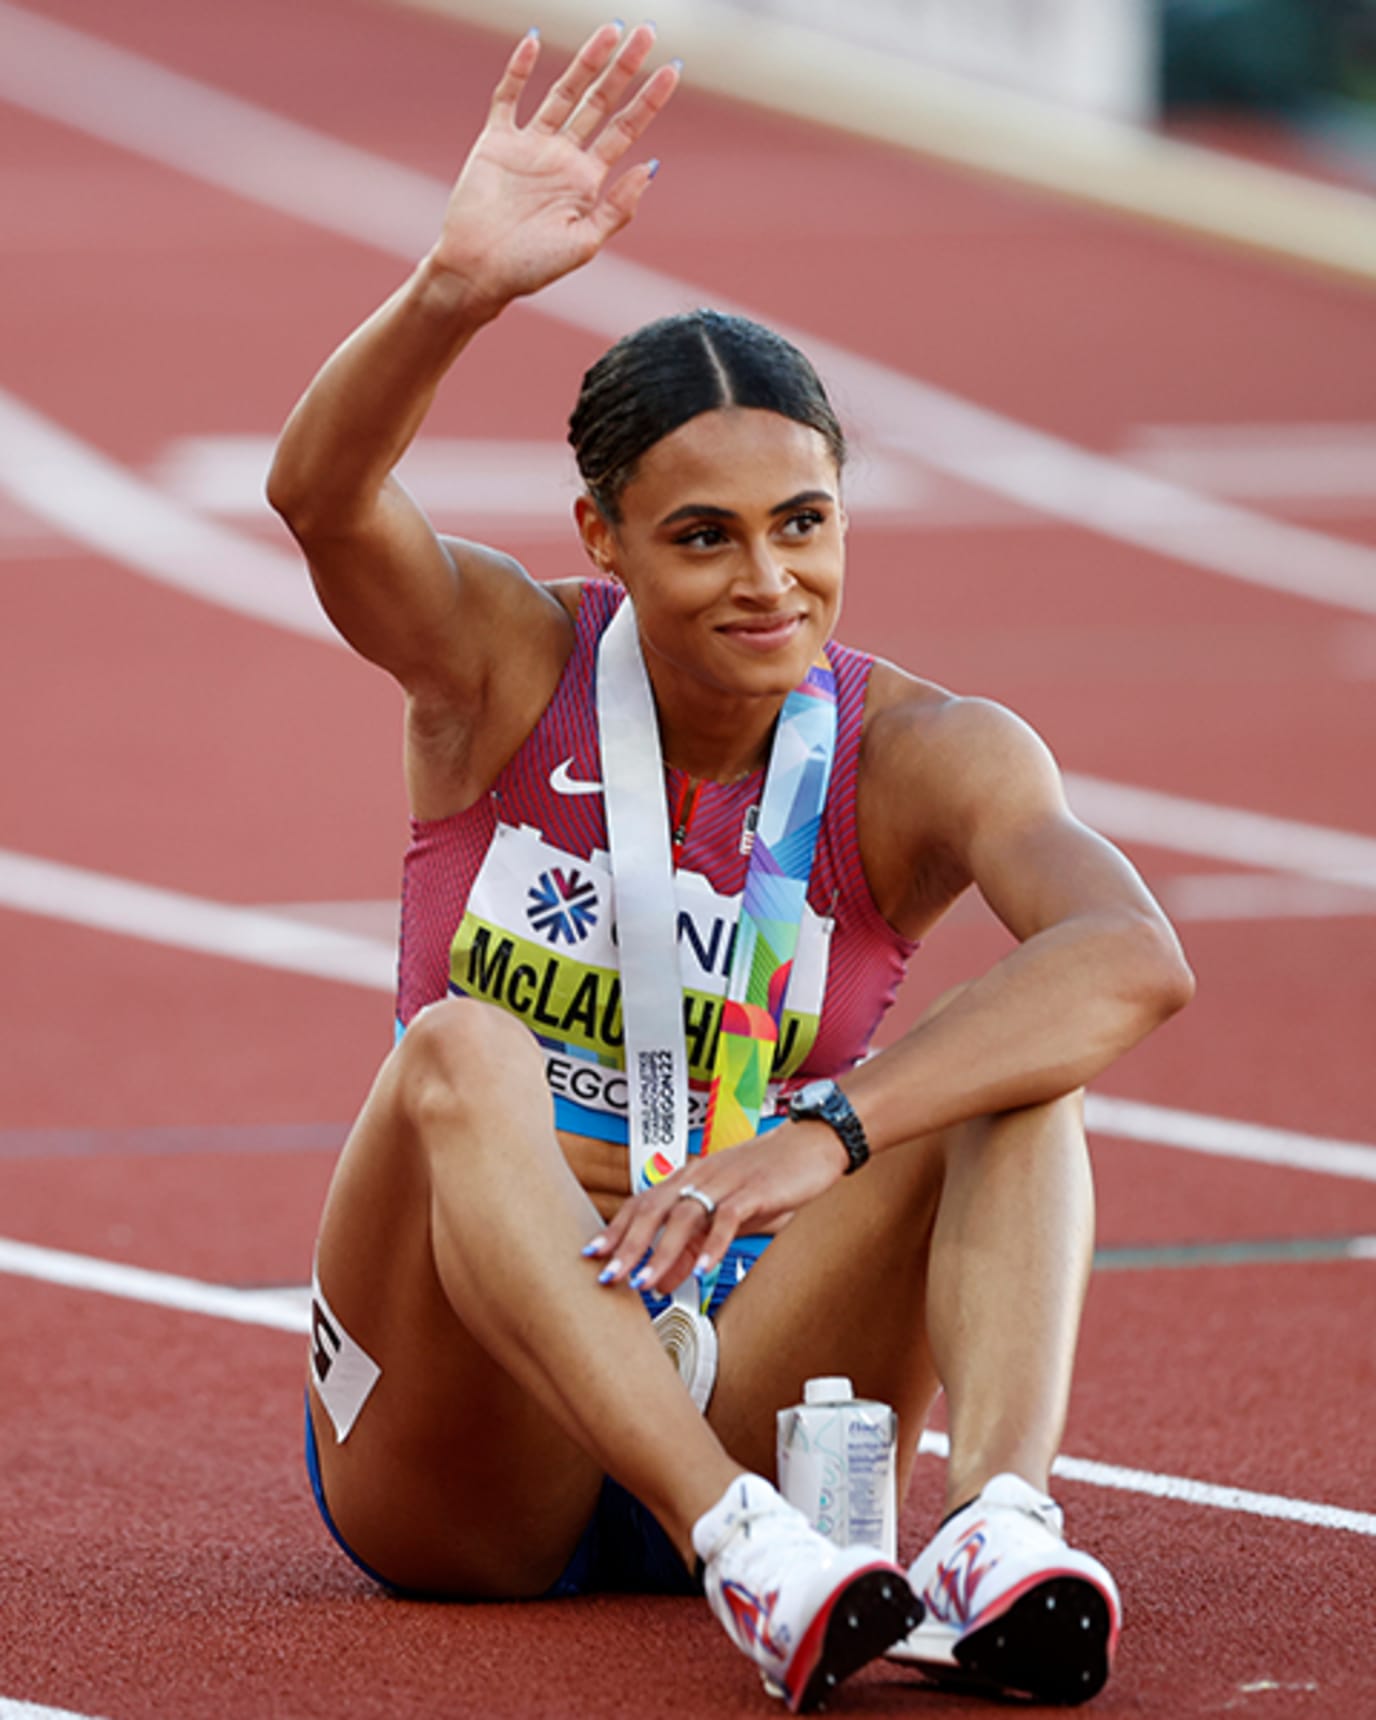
1048 1513
741 1522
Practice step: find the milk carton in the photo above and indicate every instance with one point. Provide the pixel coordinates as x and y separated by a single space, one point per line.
837 1462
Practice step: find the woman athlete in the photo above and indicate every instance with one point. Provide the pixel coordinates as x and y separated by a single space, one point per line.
491 1413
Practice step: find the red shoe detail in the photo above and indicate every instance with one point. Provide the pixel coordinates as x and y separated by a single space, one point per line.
799 1670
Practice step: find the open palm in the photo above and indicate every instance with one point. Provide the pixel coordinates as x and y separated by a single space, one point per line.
535 201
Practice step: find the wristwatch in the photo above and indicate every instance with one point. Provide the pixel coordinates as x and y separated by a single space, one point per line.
825 1101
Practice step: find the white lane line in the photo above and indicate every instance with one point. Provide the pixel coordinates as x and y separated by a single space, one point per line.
289 1311
95 502
1228 896
305 945
1301 463
11 1709
283 1311
529 486
180 921
1223 1137
1185 1491
190 127
1257 839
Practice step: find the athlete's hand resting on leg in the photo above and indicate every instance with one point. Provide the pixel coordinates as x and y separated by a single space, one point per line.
743 1189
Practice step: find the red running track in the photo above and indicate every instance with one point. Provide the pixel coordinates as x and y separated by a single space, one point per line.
178 1111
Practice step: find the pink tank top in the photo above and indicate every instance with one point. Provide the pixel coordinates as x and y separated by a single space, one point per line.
510 901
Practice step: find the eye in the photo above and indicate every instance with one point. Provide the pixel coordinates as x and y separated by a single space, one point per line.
702 537
804 523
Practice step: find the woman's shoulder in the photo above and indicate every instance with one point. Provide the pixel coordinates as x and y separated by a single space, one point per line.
948 757
910 715
935 765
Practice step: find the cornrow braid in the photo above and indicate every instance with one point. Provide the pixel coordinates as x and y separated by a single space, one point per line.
655 379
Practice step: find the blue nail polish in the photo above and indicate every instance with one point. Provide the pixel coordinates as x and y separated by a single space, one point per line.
640 1279
654 167
534 30
608 1272
590 1250
676 63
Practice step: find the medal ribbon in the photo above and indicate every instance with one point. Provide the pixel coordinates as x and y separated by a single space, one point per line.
772 907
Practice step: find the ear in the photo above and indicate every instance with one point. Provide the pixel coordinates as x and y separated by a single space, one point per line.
599 539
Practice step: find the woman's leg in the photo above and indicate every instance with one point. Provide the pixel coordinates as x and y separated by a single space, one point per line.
958 1261
1011 1258
510 1380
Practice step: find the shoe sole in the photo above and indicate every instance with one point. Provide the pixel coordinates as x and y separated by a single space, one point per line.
1053 1643
871 1613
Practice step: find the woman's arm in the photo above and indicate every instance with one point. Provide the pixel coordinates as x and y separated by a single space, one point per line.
532 203
1097 965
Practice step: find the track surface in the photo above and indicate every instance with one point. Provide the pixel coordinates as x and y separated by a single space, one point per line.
179 1110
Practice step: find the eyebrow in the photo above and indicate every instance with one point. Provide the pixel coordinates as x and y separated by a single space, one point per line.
709 511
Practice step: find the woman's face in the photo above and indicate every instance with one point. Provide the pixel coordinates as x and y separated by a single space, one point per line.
731 544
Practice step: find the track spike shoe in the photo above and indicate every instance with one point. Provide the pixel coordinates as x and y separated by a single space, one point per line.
807 1613
1008 1608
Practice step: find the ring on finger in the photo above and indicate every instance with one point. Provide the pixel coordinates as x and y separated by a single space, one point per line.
705 1201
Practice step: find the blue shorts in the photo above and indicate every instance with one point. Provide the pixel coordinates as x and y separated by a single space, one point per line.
623 1549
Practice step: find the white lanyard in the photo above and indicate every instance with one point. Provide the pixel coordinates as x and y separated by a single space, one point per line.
646 911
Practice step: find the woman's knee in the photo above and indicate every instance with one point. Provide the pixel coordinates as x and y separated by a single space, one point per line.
1040 1132
459 1058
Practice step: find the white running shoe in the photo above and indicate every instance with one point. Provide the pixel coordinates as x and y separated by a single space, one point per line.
1008 1607
807 1612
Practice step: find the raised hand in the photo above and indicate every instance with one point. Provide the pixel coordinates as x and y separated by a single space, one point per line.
535 201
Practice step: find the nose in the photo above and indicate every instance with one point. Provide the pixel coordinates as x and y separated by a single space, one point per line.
767 577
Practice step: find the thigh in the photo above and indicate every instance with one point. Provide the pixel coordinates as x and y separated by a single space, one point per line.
842 1290
452 1480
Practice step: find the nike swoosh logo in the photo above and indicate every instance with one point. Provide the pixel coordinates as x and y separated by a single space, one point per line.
562 783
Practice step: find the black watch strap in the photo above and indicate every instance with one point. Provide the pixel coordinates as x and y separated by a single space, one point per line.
825 1101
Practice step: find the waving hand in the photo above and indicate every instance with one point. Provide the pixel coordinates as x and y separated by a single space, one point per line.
539 199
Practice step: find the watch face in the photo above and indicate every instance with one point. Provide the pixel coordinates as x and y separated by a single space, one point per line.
816 1093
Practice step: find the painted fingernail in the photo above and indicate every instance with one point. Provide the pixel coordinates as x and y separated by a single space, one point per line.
590 1250
654 167
609 1272
703 1264
640 1279
534 31
676 63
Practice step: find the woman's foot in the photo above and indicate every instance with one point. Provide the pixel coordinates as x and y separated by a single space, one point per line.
1008 1608
807 1612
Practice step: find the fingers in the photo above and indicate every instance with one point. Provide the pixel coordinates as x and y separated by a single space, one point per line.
583 104
604 46
623 199
680 1233
625 127
514 79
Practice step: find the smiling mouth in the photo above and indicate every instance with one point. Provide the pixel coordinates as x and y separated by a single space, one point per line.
764 633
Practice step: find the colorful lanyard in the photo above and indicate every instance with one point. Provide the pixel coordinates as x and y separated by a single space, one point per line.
772 905
771 909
